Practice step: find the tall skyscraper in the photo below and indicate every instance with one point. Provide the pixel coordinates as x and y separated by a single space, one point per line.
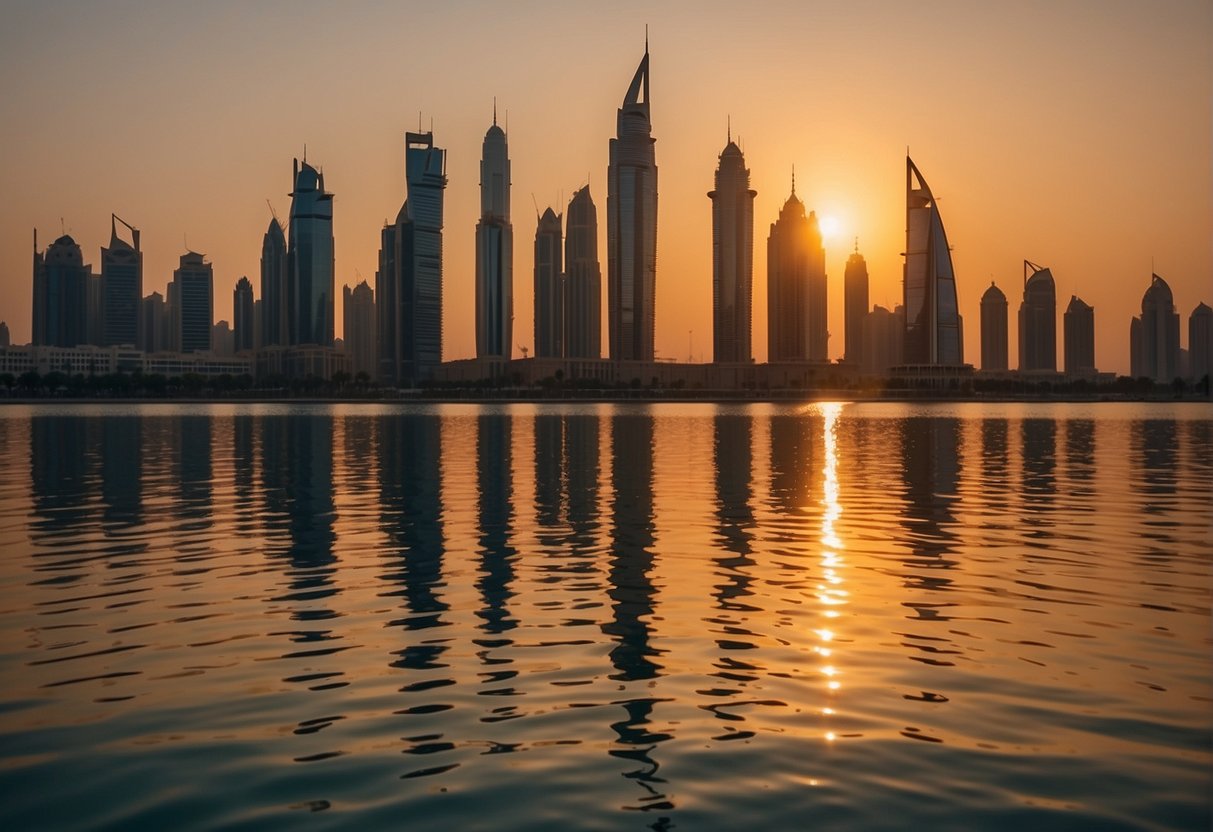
994 330
549 287
855 303
796 286
193 294
884 336
408 285
933 325
310 260
360 327
243 328
732 258
95 304
494 249
60 294
154 327
121 286
274 329
1078 327
632 225
1038 320
1155 337
582 279
1200 341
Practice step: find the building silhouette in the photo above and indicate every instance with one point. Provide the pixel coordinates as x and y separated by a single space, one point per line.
855 306
310 260
632 225
796 286
154 326
1078 327
408 284
549 287
274 329
243 328
884 338
5 338
95 305
1038 321
933 325
1200 341
583 279
360 325
121 287
192 298
1154 337
223 339
60 313
994 330
494 250
732 258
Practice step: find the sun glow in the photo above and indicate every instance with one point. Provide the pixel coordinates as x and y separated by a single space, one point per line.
830 226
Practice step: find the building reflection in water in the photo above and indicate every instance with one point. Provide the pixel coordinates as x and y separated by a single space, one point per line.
121 475
60 465
410 504
1156 451
930 456
632 594
549 465
494 488
1038 486
244 473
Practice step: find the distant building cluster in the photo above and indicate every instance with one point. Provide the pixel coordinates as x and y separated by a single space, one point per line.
393 330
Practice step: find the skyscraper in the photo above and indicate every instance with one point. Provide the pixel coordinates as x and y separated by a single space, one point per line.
60 294
310 260
153 324
583 279
494 249
274 329
1078 327
408 285
1200 341
242 316
5 339
549 288
796 286
994 330
632 225
933 326
95 304
732 258
360 327
121 286
1038 320
193 295
1155 338
855 305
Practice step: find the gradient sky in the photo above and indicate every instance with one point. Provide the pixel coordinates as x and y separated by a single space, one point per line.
1078 135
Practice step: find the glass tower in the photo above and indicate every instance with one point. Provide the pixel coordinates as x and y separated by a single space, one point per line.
310 262
933 334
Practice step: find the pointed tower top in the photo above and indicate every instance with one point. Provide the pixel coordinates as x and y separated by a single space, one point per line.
793 179
857 245
494 109
729 128
646 38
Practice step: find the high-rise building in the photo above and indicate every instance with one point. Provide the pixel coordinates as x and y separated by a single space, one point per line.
1078 327
154 328
192 295
994 330
360 327
1038 320
933 325
855 306
884 339
5 338
274 329
310 260
243 328
1200 341
95 304
582 279
408 285
60 294
223 339
494 249
796 286
732 257
549 287
121 286
1155 337
632 225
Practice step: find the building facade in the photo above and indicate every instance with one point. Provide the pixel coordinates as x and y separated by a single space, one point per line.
549 287
994 330
243 328
360 328
1038 321
121 287
632 225
274 329
60 308
1200 341
796 286
582 279
732 258
933 326
310 260
1154 337
193 302
494 249
855 306
1078 326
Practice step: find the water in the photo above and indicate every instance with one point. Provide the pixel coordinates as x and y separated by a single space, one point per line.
845 616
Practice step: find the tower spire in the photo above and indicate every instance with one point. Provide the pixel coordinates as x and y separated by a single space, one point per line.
494 110
729 128
793 179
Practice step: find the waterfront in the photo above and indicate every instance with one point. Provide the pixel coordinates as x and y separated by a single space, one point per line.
606 616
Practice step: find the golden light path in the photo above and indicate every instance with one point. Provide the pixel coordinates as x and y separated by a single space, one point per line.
830 593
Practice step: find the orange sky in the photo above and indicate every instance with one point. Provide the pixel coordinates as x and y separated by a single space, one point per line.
1075 135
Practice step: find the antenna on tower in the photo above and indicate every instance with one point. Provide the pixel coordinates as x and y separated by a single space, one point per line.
273 213
536 202
494 109
793 179
63 230
646 38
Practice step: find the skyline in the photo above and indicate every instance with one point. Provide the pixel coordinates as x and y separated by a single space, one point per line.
1022 170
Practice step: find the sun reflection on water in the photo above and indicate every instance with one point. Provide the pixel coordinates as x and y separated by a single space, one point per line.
830 593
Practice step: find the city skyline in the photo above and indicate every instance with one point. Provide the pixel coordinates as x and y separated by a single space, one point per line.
1144 152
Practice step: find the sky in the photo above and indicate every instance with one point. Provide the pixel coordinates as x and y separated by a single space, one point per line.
1077 135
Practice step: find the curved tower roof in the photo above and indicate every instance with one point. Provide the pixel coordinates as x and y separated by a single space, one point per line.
993 295
932 312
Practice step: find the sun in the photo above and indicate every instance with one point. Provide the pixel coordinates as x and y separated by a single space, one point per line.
830 226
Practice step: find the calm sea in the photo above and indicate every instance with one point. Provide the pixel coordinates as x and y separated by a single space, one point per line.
460 617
